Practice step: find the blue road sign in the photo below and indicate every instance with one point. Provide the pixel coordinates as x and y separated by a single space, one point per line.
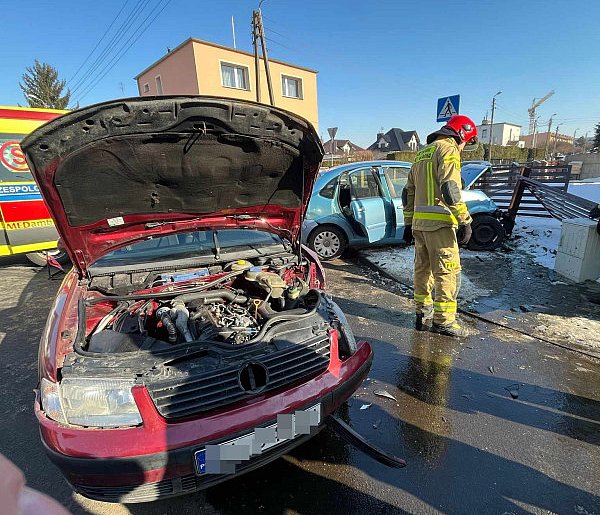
447 107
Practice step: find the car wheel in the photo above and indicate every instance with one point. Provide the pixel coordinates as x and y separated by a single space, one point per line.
39 258
488 233
327 241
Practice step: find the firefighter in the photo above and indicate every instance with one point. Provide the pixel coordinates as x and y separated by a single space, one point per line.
433 212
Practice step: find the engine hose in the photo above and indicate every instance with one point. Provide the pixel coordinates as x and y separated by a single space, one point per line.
163 314
268 312
161 294
206 297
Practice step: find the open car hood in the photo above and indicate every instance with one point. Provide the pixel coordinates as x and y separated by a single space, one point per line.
471 171
125 170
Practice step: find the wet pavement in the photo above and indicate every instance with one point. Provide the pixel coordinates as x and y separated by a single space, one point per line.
510 289
499 423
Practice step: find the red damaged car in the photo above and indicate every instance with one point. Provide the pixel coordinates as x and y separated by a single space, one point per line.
192 341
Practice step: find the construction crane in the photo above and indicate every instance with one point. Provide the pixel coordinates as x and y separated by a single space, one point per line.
534 106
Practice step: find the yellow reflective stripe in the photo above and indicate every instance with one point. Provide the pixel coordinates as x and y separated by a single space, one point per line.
435 216
424 299
7 250
430 194
459 209
444 307
408 213
452 159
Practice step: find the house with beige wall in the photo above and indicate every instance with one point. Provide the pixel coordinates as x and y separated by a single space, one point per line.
198 67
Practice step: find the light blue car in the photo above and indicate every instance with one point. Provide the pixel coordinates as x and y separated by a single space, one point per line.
359 204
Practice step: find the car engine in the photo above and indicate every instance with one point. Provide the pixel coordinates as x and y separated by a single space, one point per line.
232 312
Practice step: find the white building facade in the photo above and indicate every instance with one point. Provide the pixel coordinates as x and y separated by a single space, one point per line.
502 133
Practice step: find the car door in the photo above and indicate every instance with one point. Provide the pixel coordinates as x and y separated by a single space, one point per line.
367 205
395 178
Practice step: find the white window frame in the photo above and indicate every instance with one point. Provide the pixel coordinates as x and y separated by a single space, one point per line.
231 64
158 82
300 84
146 88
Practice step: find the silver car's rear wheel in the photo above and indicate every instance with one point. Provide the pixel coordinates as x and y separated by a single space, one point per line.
328 242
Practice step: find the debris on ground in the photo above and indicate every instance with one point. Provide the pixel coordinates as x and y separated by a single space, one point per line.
383 393
513 389
365 406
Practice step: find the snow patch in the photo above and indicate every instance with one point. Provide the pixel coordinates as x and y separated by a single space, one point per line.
538 237
399 262
588 189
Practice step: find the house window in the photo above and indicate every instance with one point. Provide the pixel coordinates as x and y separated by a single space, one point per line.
146 87
234 76
159 89
483 133
291 87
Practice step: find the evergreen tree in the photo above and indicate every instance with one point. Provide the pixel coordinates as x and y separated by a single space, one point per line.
42 87
597 136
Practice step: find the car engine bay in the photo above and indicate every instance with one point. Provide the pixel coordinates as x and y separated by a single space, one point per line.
232 305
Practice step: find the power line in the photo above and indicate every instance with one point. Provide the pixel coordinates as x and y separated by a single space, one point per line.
118 57
271 40
98 43
116 38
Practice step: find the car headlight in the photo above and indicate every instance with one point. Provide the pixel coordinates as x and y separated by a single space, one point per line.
90 402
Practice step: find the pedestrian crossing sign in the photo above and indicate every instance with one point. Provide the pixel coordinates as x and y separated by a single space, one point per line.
447 107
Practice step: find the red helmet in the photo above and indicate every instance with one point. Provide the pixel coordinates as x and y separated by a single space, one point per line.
464 127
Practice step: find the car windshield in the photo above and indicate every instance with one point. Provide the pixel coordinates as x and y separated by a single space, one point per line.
195 244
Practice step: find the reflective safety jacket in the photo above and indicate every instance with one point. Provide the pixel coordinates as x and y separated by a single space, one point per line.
432 195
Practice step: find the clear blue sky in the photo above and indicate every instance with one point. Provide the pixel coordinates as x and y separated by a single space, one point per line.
381 63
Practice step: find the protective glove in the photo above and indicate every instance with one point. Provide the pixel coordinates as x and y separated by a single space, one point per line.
464 234
595 212
408 235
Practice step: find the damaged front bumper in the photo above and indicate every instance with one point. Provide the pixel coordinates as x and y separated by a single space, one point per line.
156 460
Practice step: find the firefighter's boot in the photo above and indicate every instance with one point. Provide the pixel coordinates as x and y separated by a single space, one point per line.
454 329
424 319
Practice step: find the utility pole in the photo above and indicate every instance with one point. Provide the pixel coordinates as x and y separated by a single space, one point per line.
548 136
492 125
584 142
574 134
258 32
261 32
255 37
555 140
535 122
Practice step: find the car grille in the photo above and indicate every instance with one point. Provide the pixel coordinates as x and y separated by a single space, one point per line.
176 398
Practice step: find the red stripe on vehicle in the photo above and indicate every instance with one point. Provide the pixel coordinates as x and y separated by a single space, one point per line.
27 115
24 210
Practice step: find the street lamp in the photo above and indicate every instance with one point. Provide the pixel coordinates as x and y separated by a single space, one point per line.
492 124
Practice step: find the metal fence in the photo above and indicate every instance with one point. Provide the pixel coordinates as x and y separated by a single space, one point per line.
499 183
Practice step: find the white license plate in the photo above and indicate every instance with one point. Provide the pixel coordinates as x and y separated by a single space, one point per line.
223 458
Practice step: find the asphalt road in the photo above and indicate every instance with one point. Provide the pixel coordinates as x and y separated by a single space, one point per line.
470 447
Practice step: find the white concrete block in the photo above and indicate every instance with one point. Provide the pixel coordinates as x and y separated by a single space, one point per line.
578 255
